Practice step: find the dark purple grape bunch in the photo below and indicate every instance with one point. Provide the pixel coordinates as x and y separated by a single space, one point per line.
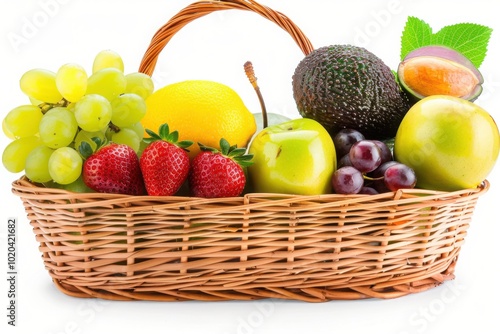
367 166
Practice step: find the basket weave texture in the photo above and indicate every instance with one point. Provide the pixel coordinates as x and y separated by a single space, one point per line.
307 248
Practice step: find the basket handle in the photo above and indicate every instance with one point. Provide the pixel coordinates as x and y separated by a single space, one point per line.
202 8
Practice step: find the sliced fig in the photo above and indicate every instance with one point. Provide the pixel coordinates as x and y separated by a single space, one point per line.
439 70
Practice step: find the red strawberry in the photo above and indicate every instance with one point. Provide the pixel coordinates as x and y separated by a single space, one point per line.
164 162
113 168
219 174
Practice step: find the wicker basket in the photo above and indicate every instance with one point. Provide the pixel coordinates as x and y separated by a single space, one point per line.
308 248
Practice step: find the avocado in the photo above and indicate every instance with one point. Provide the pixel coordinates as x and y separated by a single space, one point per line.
345 86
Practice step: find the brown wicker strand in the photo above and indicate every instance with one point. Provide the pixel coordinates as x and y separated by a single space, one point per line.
202 8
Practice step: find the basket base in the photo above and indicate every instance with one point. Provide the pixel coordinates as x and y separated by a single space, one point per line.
306 294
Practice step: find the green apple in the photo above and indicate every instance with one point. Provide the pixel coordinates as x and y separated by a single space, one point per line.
272 119
449 142
293 157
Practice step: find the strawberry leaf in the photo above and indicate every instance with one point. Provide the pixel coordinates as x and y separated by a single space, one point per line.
99 143
235 152
244 160
153 136
173 137
225 147
164 130
85 149
184 144
165 134
207 148
232 152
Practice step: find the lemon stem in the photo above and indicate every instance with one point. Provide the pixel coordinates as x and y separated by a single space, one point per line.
253 80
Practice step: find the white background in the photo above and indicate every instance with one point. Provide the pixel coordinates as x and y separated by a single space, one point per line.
49 33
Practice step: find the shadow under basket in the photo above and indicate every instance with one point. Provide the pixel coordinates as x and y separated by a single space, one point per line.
308 248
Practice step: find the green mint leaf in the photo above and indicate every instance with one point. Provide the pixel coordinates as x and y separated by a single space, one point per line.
416 33
467 38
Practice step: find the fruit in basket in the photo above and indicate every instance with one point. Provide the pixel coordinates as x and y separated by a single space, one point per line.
294 157
439 70
365 156
140 84
368 167
58 127
164 162
347 180
272 119
68 108
112 168
65 165
377 175
344 139
217 173
71 81
128 109
77 186
108 82
385 150
15 121
344 86
202 111
128 137
450 142
107 59
15 153
443 62
37 164
399 176
40 84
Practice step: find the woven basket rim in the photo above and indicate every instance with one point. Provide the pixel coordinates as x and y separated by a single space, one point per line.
23 187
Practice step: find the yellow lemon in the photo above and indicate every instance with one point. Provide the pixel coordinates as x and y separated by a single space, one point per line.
201 111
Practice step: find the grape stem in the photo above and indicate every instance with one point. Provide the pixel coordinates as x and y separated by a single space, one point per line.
369 178
113 127
44 106
249 71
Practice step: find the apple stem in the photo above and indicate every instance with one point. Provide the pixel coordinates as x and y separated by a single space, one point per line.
253 80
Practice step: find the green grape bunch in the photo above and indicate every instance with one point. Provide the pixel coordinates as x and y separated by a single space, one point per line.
68 107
